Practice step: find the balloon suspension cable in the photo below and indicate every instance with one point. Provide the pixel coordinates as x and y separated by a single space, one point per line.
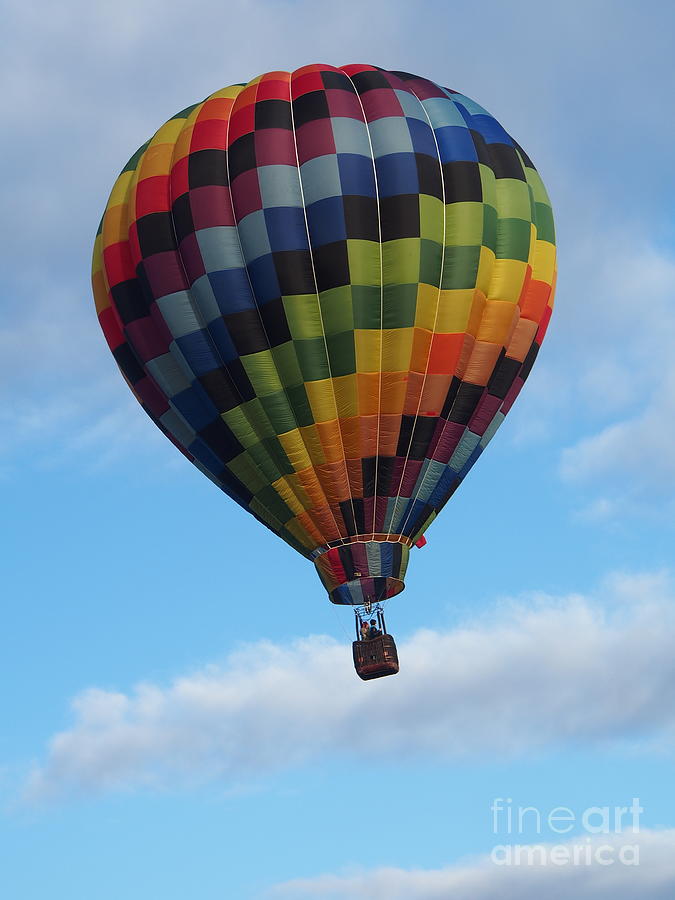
339 620
366 613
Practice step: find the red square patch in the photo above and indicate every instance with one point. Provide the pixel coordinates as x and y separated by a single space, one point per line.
275 147
445 353
209 134
211 206
315 139
379 103
344 103
242 121
117 263
246 194
274 86
152 195
305 80
179 178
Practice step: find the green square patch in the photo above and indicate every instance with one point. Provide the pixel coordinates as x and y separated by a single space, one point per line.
277 453
399 306
513 239
342 353
431 217
431 260
297 396
238 423
279 412
401 260
303 315
255 413
460 268
262 372
537 185
489 227
269 498
243 468
336 310
463 224
488 184
364 262
544 221
312 359
513 199
367 303
286 361
268 467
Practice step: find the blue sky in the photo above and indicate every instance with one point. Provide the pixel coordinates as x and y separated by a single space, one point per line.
180 713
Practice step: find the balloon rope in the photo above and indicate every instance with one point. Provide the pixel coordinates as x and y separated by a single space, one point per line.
433 331
379 230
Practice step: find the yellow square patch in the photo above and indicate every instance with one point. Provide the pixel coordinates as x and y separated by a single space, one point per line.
454 310
368 342
321 399
544 262
507 280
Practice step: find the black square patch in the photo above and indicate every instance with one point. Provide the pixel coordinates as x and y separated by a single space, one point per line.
273 114
461 181
182 217
336 81
368 81
155 233
294 272
331 265
505 162
502 377
310 107
246 331
429 175
207 167
222 392
241 155
400 216
361 218
274 320
130 301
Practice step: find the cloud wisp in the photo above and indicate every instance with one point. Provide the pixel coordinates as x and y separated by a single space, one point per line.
628 375
642 865
526 677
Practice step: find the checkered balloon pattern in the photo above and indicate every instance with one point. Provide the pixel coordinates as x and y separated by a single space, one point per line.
327 288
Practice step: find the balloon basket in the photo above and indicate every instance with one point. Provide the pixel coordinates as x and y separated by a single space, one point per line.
377 656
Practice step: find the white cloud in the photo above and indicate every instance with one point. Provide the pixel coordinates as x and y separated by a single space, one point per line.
48 331
92 424
509 683
628 380
605 385
61 394
653 878
641 445
601 509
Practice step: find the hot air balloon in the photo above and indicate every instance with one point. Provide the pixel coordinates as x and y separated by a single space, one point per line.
327 288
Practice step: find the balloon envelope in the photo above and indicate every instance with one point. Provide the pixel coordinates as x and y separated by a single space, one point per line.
327 288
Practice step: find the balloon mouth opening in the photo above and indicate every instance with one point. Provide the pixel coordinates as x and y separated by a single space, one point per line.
359 591
363 572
